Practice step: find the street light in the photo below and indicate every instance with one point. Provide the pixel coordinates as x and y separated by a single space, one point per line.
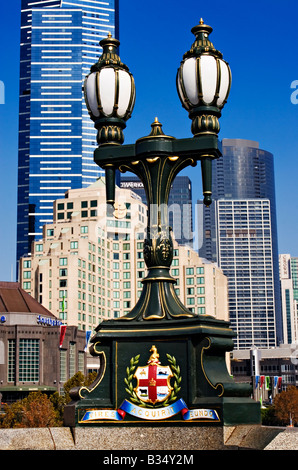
203 82
203 85
109 92
194 345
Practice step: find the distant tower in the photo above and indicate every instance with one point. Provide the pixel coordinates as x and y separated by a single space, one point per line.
240 234
180 205
59 44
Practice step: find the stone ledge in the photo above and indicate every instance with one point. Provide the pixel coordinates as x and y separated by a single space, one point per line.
36 439
286 440
253 437
149 438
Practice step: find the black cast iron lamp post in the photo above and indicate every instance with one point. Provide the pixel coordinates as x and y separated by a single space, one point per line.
190 349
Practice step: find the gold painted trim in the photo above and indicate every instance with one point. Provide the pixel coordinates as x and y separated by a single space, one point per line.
89 390
206 377
166 329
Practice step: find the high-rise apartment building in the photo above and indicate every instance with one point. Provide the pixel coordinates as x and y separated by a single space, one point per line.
180 205
59 44
245 254
243 217
89 265
288 270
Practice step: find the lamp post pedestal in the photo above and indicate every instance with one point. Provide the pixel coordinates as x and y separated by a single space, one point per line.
170 373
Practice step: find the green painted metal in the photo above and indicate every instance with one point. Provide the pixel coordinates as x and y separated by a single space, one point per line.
190 350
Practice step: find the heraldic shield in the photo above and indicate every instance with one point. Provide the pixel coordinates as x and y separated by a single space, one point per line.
153 380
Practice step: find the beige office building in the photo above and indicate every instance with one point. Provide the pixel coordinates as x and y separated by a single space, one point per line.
89 264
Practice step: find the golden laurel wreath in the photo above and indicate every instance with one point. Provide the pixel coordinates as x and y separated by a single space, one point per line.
130 388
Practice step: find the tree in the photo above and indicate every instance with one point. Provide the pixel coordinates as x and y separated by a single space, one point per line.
34 411
39 410
286 406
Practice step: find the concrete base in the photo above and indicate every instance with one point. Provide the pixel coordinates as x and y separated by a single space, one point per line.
253 437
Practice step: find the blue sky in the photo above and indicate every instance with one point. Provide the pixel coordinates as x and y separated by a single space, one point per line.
259 40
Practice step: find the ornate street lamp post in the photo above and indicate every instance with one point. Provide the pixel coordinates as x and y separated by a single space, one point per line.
196 386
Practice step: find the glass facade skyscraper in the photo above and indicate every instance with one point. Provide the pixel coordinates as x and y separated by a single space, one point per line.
179 205
59 44
240 234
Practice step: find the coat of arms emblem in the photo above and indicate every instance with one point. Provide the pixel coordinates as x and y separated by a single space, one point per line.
153 387
153 380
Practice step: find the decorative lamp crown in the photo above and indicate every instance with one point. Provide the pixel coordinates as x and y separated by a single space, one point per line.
203 82
109 92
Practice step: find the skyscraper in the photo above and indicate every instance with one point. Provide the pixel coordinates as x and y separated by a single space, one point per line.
180 205
59 44
288 269
240 234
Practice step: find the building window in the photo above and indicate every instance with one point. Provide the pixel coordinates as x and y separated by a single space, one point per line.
27 285
84 204
93 203
27 264
81 356
39 247
29 360
200 270
63 365
74 245
11 372
27 274
72 359
63 262
84 229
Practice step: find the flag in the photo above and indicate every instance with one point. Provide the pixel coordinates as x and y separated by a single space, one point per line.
257 380
267 383
62 334
88 334
63 302
262 380
279 382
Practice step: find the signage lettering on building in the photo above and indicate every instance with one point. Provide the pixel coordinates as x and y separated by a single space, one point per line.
48 321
